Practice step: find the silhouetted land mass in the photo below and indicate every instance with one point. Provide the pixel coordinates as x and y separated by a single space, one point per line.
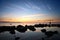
58 25
47 25
7 28
40 25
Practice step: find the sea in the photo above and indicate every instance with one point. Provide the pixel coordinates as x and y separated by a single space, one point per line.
29 35
16 24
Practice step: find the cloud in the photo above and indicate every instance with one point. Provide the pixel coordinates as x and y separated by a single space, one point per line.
16 7
48 6
34 16
28 5
32 6
38 16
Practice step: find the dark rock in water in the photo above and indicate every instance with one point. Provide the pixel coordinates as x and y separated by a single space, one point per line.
17 38
42 38
12 32
21 28
43 30
40 25
56 32
7 28
30 27
50 33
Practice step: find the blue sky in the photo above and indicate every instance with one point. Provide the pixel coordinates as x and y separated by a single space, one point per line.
29 9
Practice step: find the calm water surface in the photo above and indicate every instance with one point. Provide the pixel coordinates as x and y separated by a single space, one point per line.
30 35
15 24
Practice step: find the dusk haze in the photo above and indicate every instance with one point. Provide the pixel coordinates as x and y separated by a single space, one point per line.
29 19
29 10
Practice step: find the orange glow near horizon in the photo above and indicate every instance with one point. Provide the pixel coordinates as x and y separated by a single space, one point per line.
29 11
28 20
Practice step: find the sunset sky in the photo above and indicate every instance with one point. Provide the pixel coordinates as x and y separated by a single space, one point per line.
29 10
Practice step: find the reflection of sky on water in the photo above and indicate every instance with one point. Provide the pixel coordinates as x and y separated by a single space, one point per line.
30 35
15 24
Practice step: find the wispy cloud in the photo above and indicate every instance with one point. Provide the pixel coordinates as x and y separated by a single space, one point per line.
16 7
34 15
32 6
49 7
